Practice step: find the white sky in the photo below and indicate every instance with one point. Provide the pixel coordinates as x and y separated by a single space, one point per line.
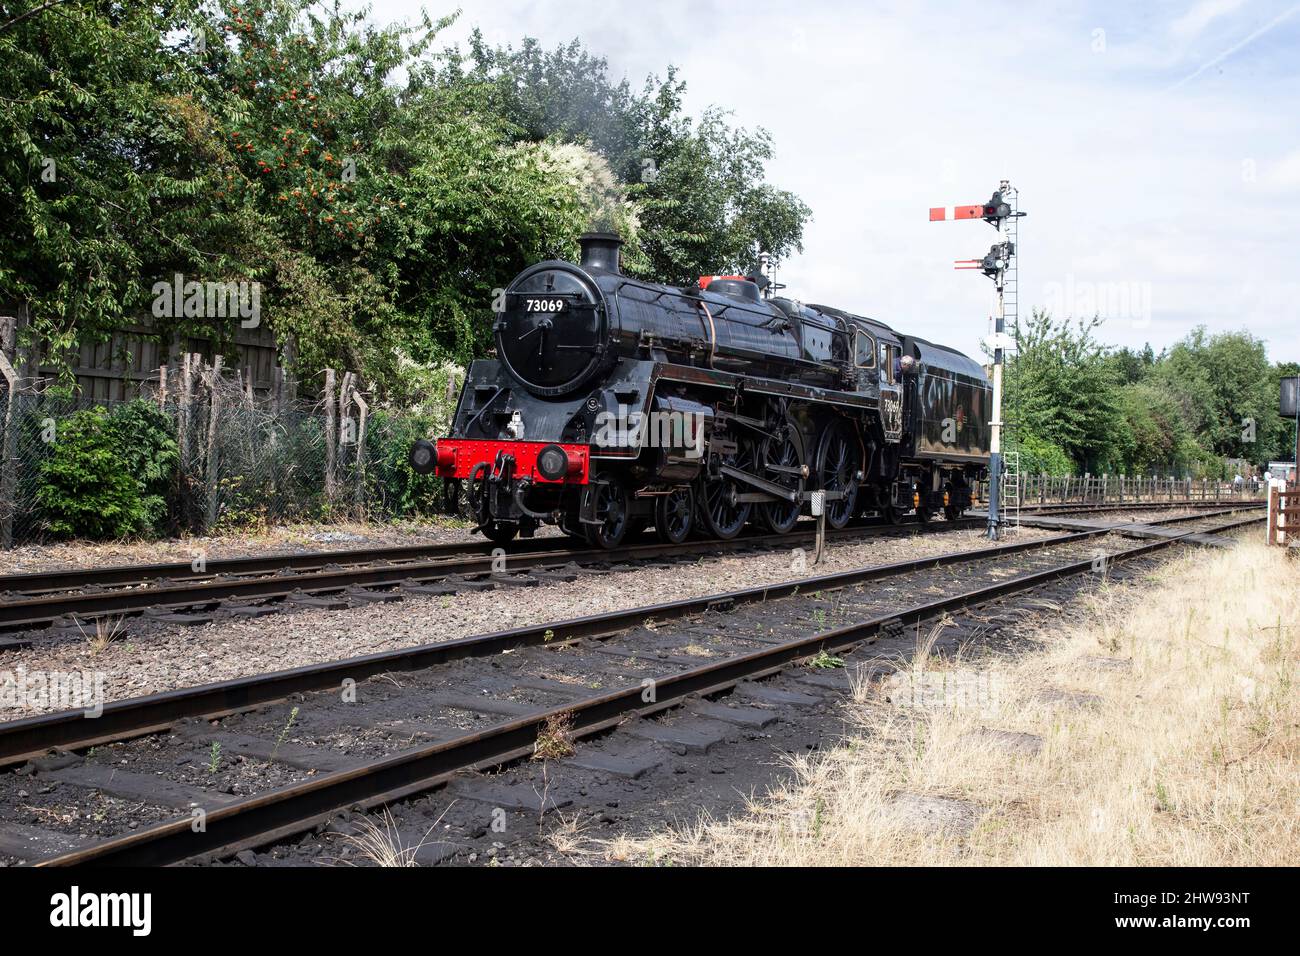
1156 146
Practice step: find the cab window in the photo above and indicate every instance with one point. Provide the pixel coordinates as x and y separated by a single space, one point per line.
866 351
887 355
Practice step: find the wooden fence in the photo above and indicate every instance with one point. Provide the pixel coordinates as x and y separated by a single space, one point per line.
120 368
1283 516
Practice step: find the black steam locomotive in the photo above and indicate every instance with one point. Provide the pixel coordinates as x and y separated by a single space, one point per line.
616 404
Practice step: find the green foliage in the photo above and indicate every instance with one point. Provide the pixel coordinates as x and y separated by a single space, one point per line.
1074 405
707 208
1227 392
697 186
1038 456
106 473
394 489
1061 391
378 191
100 190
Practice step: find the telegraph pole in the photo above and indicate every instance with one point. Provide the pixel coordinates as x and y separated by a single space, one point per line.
999 212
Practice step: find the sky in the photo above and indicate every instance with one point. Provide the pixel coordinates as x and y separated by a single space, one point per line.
1155 146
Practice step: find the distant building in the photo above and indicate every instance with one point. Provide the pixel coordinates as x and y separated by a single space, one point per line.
1282 469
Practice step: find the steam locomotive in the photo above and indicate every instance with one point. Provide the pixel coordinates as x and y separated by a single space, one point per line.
615 404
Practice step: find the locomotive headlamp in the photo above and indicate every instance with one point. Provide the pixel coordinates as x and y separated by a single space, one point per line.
424 457
552 463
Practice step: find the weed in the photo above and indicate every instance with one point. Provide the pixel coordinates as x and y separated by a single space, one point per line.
555 739
288 724
826 661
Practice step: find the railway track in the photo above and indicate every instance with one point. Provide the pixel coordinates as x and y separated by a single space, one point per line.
265 586
452 696
184 593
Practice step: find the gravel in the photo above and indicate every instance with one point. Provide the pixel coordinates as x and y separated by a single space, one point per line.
154 657
292 539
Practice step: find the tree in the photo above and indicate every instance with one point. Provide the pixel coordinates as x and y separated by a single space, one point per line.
1284 438
100 188
1227 391
1060 389
707 209
1155 438
266 141
376 192
697 186
1131 366
397 205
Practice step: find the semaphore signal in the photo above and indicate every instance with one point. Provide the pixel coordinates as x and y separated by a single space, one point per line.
999 264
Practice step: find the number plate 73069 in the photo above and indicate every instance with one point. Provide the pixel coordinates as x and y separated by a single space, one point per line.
549 304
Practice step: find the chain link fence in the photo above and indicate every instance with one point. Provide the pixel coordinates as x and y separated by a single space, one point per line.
217 462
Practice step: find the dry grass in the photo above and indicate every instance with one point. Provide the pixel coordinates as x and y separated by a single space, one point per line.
555 738
1167 725
107 630
382 843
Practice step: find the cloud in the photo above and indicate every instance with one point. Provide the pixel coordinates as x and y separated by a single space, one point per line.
879 112
1194 21
1237 47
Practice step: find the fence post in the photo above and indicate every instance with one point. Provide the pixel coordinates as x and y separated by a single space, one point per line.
1272 516
210 453
289 362
8 460
183 417
183 413
347 428
364 412
330 435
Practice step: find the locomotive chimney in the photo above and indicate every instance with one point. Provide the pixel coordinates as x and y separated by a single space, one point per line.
600 250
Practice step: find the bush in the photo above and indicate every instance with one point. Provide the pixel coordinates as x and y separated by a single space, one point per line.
1038 456
107 474
394 488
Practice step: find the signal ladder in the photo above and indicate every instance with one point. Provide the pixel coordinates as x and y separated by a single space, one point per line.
1010 491
1011 480
1011 280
